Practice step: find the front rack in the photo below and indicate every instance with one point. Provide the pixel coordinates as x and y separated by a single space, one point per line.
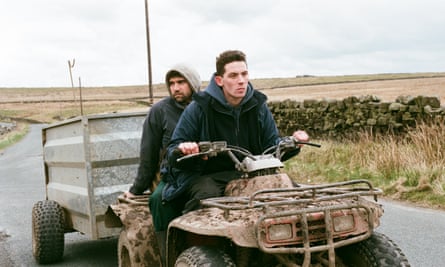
307 194
311 199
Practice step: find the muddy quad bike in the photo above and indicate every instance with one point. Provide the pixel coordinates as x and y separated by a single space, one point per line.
265 219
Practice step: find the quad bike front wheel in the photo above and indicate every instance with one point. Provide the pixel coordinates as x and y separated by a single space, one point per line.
48 229
204 256
378 250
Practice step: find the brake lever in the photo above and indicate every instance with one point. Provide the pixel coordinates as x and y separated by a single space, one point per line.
297 142
307 143
191 156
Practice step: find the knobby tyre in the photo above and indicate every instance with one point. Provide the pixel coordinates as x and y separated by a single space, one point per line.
48 229
376 251
204 256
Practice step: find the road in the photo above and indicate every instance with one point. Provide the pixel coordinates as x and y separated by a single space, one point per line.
22 185
418 232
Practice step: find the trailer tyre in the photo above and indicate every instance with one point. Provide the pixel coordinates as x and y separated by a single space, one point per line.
48 229
378 251
204 256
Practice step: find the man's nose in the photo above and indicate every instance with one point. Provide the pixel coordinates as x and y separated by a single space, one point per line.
175 86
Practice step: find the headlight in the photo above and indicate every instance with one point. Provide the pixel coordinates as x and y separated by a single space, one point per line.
280 232
343 223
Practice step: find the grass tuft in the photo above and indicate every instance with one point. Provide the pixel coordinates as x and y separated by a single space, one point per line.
410 168
13 137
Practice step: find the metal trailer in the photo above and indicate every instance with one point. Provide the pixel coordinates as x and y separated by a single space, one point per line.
88 161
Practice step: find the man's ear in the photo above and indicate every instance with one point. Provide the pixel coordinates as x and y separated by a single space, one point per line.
218 80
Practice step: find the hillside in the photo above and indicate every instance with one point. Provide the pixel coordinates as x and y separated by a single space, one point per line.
52 104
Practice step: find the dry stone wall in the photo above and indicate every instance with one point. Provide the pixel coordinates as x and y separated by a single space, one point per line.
331 118
6 127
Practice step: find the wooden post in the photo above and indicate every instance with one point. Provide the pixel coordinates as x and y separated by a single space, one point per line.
80 95
147 28
70 67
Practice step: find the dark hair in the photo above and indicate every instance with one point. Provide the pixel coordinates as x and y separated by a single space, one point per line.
227 57
173 74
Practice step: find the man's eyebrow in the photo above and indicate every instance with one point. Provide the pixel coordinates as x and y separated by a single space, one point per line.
237 73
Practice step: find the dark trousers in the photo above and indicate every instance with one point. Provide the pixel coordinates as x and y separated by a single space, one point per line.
164 212
208 186
202 187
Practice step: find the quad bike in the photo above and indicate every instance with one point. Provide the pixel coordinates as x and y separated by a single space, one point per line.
264 219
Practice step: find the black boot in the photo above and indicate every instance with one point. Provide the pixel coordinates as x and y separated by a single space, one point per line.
161 237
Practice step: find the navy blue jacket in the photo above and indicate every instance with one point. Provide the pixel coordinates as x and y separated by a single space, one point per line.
210 118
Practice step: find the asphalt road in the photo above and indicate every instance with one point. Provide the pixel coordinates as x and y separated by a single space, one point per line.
21 185
418 232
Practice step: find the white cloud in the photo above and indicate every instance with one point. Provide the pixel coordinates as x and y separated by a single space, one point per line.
281 38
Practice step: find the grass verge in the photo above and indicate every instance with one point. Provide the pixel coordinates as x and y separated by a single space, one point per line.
15 136
411 168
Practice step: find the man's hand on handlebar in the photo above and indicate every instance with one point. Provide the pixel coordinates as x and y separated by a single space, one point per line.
188 148
301 136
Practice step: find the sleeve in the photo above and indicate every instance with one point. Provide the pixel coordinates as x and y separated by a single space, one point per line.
271 135
187 130
151 142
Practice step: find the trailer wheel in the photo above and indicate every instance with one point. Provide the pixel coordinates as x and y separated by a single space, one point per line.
378 251
48 229
204 256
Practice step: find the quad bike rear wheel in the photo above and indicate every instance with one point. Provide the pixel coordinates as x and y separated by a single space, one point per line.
135 252
48 229
204 256
376 251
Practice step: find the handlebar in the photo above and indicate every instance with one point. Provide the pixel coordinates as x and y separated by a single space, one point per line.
290 140
211 149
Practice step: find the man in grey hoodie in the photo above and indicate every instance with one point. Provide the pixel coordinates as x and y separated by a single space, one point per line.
182 82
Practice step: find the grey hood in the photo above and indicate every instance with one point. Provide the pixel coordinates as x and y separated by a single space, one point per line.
189 73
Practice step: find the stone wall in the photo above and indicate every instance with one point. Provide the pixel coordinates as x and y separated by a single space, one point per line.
339 118
6 127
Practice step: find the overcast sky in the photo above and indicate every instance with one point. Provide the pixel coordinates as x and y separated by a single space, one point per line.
282 38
